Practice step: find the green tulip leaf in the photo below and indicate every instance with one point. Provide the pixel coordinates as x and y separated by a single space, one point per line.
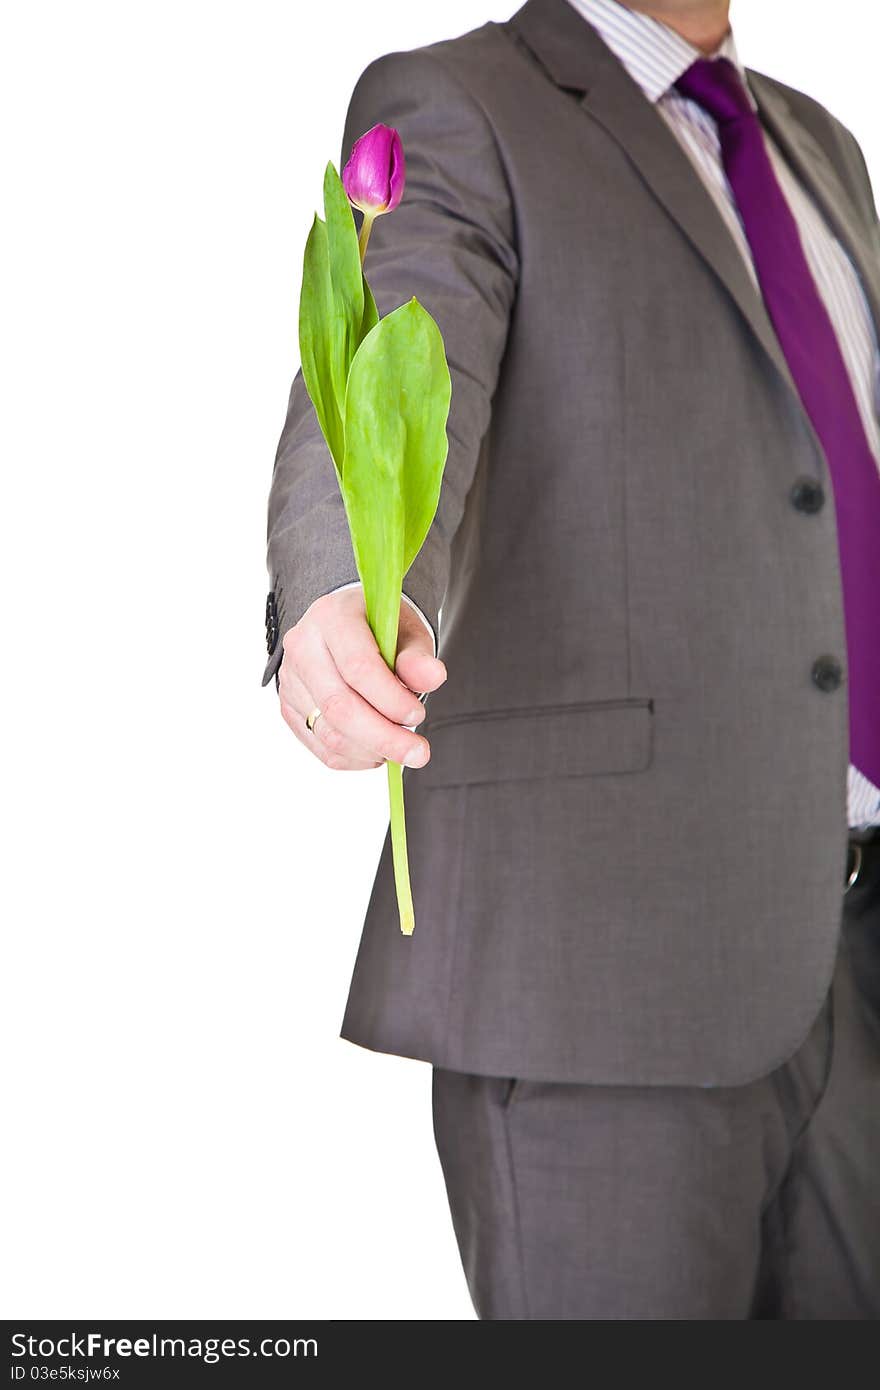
427 387
316 311
371 313
396 407
344 327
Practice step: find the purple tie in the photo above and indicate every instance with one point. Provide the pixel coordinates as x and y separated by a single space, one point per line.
810 345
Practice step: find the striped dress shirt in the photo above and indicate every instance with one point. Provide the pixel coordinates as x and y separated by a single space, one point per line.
655 57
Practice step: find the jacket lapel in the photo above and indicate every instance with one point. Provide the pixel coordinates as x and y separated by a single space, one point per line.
577 59
818 175
631 119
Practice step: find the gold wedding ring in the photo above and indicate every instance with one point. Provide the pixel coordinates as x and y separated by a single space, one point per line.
311 719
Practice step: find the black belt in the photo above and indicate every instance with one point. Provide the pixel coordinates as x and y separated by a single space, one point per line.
861 845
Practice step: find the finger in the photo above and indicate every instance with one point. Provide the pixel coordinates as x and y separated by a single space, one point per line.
298 701
337 761
294 693
415 664
362 666
346 714
418 669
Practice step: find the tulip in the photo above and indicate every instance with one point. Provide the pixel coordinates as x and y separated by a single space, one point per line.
374 177
381 390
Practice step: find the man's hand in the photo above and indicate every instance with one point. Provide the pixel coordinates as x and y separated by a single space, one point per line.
331 661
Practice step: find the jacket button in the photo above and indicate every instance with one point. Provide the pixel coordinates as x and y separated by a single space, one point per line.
271 621
807 494
827 673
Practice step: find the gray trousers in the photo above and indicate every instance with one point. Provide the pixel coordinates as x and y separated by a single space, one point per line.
754 1201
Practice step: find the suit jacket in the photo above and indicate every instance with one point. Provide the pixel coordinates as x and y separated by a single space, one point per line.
628 848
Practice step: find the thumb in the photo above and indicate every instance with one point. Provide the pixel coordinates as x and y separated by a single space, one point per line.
415 663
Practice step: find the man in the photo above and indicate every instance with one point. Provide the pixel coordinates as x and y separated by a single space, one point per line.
645 856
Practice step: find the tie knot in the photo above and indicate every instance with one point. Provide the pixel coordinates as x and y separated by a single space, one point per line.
715 84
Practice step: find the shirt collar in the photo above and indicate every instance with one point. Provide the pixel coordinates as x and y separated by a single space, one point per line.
654 55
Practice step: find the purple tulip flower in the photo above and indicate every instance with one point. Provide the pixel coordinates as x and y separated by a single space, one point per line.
374 176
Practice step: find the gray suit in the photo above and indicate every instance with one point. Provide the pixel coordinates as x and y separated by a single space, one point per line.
628 848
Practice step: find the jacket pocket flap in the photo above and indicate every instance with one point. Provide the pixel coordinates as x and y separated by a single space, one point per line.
579 740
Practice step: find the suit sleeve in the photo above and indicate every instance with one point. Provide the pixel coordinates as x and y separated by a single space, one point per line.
451 243
870 203
850 164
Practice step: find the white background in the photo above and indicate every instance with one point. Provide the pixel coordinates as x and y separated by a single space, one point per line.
183 887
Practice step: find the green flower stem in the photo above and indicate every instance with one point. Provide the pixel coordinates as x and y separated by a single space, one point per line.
398 845
364 237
